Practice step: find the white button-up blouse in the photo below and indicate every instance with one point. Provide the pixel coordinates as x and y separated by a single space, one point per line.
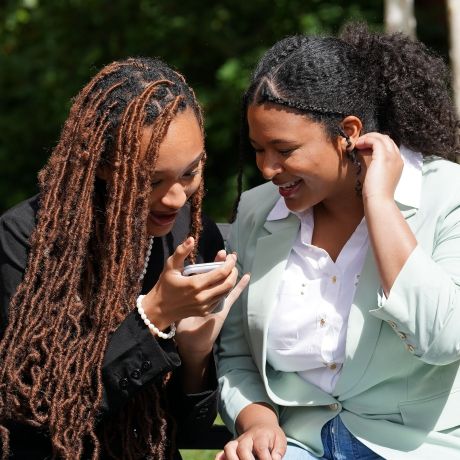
307 329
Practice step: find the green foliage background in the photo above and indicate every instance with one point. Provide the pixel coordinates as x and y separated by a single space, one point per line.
50 48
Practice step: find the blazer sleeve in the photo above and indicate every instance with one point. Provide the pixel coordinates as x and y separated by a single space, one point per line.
239 378
15 229
423 306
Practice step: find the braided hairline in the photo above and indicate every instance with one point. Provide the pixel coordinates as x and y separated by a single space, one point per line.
298 105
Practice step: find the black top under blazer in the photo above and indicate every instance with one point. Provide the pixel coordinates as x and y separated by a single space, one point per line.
133 357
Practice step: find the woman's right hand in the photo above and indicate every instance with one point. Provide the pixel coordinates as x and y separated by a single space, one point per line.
262 437
175 296
262 441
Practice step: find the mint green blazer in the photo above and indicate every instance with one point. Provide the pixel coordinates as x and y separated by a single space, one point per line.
399 390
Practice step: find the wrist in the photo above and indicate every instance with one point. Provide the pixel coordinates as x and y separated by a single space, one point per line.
154 313
378 197
195 359
378 202
256 414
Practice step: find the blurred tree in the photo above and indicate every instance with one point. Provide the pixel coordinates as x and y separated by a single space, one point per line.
50 48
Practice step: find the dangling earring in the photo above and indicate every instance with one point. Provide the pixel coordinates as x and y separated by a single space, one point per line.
351 155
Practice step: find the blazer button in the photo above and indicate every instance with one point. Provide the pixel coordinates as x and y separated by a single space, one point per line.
136 374
123 383
334 406
146 365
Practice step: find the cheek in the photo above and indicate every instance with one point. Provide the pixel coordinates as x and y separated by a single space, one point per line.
156 195
193 186
259 162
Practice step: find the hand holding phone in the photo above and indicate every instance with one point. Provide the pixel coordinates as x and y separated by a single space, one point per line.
196 269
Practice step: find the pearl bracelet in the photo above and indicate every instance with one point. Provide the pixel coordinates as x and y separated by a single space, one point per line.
150 325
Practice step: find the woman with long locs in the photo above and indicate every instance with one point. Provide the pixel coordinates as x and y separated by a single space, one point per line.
346 344
83 372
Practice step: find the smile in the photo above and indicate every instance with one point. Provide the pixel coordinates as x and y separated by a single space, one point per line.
290 184
289 189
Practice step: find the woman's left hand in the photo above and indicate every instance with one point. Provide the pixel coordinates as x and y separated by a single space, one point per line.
385 166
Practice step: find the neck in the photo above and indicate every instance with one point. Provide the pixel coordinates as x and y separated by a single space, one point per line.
347 206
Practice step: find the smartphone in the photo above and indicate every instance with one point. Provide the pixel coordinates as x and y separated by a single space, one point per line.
195 269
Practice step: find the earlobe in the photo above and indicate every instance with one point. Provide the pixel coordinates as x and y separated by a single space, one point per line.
352 127
350 130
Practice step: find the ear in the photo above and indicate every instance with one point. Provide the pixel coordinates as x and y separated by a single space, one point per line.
352 127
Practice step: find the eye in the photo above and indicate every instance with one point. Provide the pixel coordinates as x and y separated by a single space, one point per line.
286 152
155 183
192 174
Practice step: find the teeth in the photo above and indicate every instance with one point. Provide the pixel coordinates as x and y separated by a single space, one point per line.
289 184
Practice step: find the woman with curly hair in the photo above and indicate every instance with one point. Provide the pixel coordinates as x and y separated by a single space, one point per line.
84 373
347 344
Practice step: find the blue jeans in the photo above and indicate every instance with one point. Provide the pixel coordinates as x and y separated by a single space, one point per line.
338 444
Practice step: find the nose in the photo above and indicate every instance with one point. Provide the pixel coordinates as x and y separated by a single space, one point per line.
268 165
175 197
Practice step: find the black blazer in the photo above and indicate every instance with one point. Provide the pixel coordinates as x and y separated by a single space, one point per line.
133 357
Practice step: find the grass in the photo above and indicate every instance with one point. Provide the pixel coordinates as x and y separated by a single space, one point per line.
198 454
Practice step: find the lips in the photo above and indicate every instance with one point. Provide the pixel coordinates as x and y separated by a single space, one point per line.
162 219
289 188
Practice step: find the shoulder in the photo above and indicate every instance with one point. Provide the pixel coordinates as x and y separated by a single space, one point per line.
20 220
441 181
256 203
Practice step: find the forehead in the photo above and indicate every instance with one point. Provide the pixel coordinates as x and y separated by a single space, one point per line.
182 144
275 122
269 116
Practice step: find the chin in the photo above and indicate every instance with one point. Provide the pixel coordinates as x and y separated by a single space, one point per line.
155 230
297 207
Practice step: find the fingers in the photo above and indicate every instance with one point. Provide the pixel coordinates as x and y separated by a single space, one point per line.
234 294
249 448
279 447
181 253
220 256
240 449
370 141
217 276
220 456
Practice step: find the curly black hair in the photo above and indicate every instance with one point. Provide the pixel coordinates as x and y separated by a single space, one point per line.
393 83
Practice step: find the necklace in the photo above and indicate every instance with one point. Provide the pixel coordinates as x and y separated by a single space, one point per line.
140 309
147 258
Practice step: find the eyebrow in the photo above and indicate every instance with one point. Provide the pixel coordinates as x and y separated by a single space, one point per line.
276 141
192 165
